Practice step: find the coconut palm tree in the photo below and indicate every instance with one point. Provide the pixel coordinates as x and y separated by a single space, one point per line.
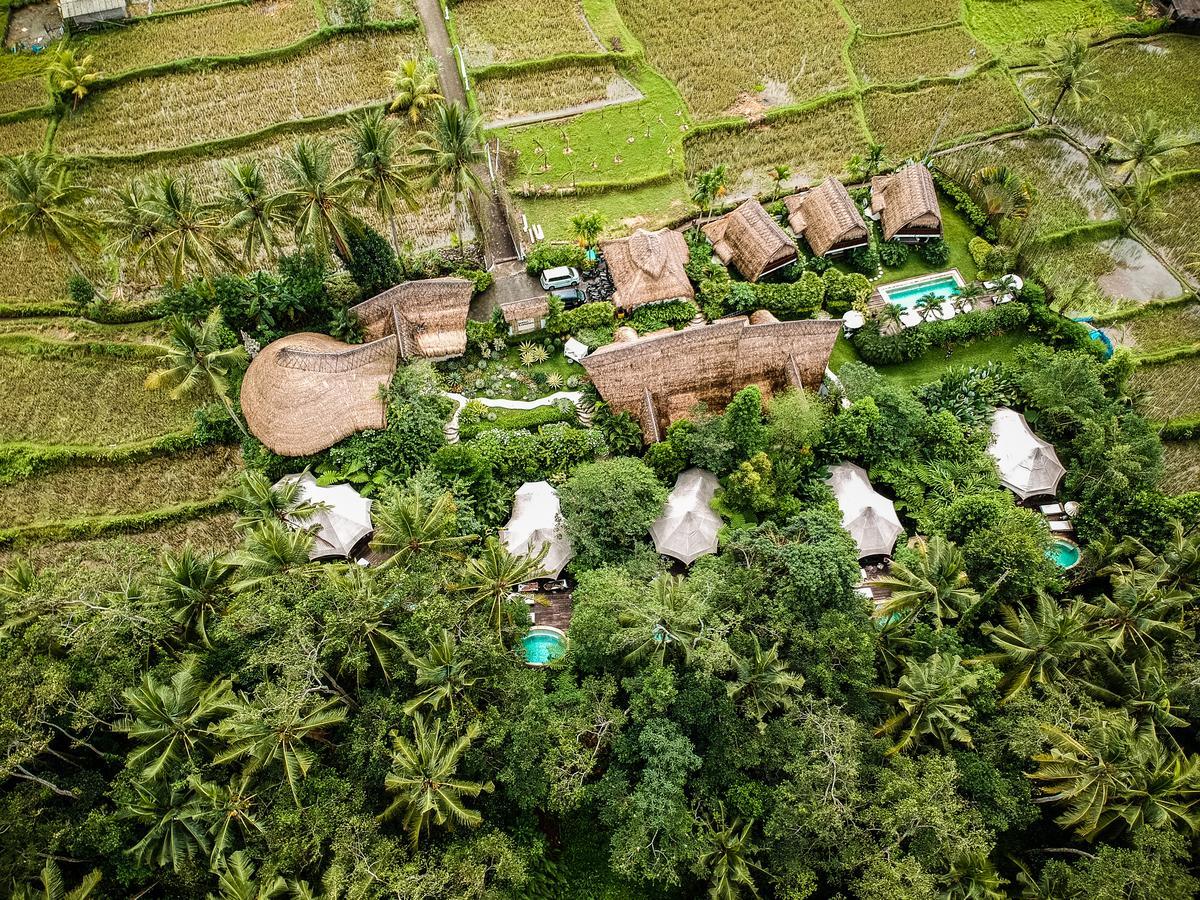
258 500
1002 194
450 152
251 210
191 582
667 622
1041 647
188 233
1143 688
936 583
1138 617
317 200
50 886
1145 144
422 779
442 672
1175 567
40 200
176 833
711 186
1069 70
368 631
196 360
932 696
489 579
890 317
236 881
968 295
727 857
972 876
412 529
71 76
229 810
763 681
928 305
171 721
415 85
271 548
587 227
779 174
380 165
129 222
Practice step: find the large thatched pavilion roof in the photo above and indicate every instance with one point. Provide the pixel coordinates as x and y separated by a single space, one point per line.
648 267
429 317
660 377
750 239
907 202
827 218
305 392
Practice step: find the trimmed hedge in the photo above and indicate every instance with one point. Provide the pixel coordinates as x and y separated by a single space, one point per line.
20 461
880 349
511 419
657 316
964 204
51 349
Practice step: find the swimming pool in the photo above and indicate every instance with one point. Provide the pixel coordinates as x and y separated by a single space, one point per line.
1065 553
906 293
543 644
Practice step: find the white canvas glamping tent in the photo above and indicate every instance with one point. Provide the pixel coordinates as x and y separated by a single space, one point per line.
1028 466
536 521
868 516
343 520
688 527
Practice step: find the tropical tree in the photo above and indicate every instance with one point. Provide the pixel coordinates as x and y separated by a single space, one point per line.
1176 567
669 621
932 696
936 583
251 210
229 811
1041 647
1142 688
891 318
763 681
412 529
317 200
129 222
176 833
862 167
364 622
779 174
258 500
422 779
971 876
236 881
50 886
1139 617
171 720
271 548
379 162
967 295
726 861
1002 194
928 306
489 578
1070 71
191 582
41 201
71 76
711 186
450 153
442 673
415 88
587 227
187 233
1146 143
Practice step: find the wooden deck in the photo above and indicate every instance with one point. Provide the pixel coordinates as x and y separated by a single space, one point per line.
552 609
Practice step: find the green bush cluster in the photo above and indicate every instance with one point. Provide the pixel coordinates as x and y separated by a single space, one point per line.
519 456
545 256
965 205
477 418
881 349
894 253
588 315
935 252
371 262
658 316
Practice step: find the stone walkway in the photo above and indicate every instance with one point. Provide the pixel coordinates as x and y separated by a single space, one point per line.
581 405
565 112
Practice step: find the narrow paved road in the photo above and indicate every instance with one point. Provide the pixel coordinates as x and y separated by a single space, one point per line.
497 242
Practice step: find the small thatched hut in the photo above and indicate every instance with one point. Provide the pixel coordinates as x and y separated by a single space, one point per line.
907 204
648 267
305 392
524 316
827 218
429 317
660 377
750 239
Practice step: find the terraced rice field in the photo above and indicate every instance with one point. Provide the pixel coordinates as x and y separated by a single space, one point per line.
1003 26
23 93
875 17
17 137
1168 390
742 57
1173 228
907 57
1102 274
529 93
29 272
184 109
494 31
1162 329
1181 463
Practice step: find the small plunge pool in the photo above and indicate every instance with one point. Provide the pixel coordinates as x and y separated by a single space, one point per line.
543 645
1065 553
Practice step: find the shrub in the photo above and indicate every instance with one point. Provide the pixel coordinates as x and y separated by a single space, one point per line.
841 291
880 349
894 253
371 262
588 315
979 249
866 260
657 316
965 205
480 279
80 291
609 507
935 252
818 264
546 256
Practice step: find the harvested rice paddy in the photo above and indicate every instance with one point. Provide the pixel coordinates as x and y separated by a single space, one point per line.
183 109
1173 228
876 17
98 489
392 10
738 57
907 57
1169 390
540 92
1157 330
1003 25
494 31
69 328
143 7
17 137
23 93
1181 467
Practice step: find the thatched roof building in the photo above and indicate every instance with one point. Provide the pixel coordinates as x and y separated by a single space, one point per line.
84 13
428 316
648 267
868 516
527 315
305 392
907 204
660 377
1186 13
827 218
1028 466
688 527
750 239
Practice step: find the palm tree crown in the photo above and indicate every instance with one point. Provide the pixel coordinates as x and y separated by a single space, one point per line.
196 360
41 201
415 84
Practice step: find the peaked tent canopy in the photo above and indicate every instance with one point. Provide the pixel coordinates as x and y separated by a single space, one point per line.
343 520
1028 465
868 516
536 521
688 527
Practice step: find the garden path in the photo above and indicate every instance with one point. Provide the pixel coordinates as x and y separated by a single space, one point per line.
576 397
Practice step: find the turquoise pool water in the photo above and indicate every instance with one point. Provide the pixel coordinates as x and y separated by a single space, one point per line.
1064 553
944 286
542 645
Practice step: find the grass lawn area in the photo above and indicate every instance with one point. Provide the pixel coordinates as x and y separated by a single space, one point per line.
957 232
934 362
623 210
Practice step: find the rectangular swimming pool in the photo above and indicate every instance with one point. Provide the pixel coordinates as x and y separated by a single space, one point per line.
906 293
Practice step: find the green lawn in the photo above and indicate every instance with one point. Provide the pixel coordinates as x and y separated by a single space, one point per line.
933 363
1002 26
623 210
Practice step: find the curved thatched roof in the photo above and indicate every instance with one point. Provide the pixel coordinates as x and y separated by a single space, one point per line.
826 217
648 267
430 316
305 392
750 239
907 201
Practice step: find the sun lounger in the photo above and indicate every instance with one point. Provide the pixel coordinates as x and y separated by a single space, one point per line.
1060 527
1051 509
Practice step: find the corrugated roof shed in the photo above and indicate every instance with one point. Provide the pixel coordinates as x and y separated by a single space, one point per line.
74 9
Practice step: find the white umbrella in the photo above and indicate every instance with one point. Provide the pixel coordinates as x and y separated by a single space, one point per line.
911 318
947 310
574 349
535 523
852 319
1028 466
343 519
868 516
688 527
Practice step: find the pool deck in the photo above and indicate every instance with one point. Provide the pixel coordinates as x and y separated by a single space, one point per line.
552 609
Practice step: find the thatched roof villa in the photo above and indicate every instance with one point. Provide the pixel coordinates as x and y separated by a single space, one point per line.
827 218
305 392
906 203
648 267
658 378
429 316
750 239
524 316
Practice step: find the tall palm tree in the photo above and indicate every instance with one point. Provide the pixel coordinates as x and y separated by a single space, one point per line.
50 886
667 622
727 857
415 85
1176 566
195 360
251 210
1041 647
270 548
1143 688
779 174
711 186
40 200
70 75
586 227
130 222
763 681
1003 195
228 809
258 500
188 232
422 779
412 529
442 672
450 153
489 578
380 165
236 881
890 317
1138 617
1146 143
936 583
972 876
171 720
928 305
192 583
932 696
317 200
1070 70
369 634
176 833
